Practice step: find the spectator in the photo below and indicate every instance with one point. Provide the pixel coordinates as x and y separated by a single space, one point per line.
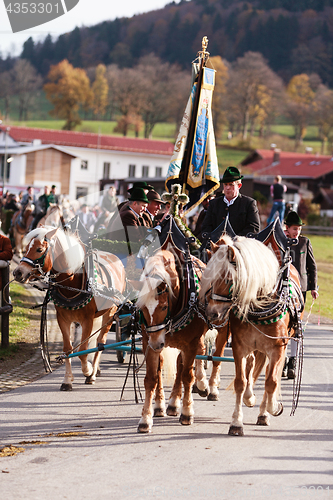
54 194
28 196
110 202
87 218
12 203
277 193
42 205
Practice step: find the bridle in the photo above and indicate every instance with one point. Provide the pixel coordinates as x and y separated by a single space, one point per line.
40 261
167 319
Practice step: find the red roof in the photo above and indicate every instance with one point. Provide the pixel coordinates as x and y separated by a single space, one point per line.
291 164
89 140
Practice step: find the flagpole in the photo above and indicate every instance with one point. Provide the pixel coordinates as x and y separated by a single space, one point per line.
203 56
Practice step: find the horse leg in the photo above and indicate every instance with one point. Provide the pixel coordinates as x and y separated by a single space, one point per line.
187 411
87 326
236 426
101 339
67 347
200 385
270 404
159 407
214 381
176 393
249 397
150 382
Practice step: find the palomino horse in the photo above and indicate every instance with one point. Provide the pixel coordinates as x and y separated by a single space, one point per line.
161 301
21 222
239 280
74 288
53 217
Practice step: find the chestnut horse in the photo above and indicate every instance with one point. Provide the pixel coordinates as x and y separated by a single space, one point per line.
240 279
74 288
21 222
161 301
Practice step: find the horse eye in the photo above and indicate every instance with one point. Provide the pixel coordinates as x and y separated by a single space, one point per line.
164 308
39 250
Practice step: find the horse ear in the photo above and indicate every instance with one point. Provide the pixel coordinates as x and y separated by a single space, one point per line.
51 233
209 253
231 254
221 241
214 247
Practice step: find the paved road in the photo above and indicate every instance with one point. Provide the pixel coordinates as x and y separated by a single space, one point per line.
107 458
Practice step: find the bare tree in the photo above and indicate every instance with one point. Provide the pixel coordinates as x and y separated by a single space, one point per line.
323 113
6 90
26 82
252 87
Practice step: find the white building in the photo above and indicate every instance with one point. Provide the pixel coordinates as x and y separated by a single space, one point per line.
80 163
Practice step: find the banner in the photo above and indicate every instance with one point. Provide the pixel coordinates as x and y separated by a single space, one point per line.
201 175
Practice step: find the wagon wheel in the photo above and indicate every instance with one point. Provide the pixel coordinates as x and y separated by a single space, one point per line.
44 347
120 354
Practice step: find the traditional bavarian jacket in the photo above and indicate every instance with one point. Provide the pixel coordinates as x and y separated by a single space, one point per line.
243 215
303 259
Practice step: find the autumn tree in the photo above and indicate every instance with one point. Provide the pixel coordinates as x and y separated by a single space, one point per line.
219 95
323 114
100 89
68 89
252 88
299 101
26 82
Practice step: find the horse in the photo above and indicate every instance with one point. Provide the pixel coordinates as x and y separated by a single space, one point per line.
161 301
74 288
240 279
53 217
21 222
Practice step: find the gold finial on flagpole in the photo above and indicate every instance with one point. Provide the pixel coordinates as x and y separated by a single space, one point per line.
204 54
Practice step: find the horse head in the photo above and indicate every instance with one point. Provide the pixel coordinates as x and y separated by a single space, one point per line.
158 297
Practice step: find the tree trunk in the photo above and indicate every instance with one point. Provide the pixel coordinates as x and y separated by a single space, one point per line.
245 124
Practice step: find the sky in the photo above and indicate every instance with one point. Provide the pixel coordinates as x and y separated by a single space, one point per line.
85 13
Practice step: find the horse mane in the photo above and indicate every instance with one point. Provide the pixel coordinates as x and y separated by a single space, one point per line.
155 266
254 273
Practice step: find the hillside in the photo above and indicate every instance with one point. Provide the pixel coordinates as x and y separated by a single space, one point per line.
294 37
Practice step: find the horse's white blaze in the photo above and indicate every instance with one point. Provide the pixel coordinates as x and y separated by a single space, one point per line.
151 307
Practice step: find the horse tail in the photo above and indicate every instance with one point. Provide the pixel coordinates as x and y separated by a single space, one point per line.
169 369
260 361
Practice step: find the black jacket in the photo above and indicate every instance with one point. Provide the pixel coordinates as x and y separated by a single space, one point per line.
243 215
303 259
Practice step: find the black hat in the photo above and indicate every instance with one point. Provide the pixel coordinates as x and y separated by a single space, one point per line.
138 194
231 174
142 185
293 219
154 196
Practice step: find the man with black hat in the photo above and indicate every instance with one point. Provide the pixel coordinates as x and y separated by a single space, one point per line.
154 206
242 210
303 260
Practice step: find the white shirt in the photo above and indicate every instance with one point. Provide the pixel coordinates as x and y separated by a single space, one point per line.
231 202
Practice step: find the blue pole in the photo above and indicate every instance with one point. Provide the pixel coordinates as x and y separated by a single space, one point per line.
121 346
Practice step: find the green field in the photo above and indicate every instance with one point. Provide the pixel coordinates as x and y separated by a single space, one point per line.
323 252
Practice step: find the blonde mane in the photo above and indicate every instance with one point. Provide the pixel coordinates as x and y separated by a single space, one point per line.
154 273
253 274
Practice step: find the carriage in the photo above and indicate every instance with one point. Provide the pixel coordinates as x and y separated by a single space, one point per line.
176 303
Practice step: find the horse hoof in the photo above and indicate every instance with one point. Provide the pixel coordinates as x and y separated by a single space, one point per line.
159 412
196 390
280 410
263 420
235 431
89 380
172 411
144 428
98 373
186 419
66 387
212 397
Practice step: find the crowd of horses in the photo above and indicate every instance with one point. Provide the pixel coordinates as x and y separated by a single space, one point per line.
240 279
